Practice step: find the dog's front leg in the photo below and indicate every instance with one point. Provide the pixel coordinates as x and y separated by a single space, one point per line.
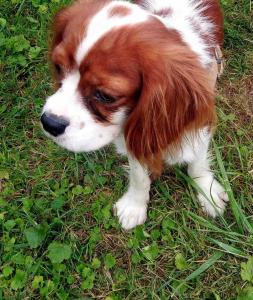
131 209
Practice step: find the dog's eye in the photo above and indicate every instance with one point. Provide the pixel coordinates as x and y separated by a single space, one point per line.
103 97
58 69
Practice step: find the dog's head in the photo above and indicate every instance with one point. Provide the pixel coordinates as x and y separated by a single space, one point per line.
121 71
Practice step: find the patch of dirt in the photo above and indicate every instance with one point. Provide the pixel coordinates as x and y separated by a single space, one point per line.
237 95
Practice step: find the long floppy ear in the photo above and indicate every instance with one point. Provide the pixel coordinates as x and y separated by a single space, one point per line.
69 19
59 24
79 13
176 97
71 22
63 16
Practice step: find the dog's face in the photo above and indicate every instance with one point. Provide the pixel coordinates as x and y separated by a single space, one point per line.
120 70
98 77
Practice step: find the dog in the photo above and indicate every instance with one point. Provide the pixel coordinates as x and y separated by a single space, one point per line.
138 75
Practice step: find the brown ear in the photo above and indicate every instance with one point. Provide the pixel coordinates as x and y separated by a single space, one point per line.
59 24
176 97
57 53
79 13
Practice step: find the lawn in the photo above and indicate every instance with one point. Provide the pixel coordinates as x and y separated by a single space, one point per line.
59 239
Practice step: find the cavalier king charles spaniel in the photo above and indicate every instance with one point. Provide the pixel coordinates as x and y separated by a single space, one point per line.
138 75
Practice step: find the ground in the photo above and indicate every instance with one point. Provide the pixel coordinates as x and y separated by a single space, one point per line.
59 239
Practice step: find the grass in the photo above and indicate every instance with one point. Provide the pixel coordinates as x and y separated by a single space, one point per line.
58 238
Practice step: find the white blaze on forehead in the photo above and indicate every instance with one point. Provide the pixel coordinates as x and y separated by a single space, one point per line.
103 22
70 83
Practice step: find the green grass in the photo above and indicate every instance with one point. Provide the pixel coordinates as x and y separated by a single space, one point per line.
59 239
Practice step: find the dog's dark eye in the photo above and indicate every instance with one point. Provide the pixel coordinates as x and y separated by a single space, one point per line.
103 97
58 69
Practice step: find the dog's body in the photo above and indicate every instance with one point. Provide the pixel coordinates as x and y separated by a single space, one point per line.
137 75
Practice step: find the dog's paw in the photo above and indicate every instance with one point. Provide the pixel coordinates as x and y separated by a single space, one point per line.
131 212
213 203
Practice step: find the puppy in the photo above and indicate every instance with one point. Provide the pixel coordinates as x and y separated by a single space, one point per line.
138 75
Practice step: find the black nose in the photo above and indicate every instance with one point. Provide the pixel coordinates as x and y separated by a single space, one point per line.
53 124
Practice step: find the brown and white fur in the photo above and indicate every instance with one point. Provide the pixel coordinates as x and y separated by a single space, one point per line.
137 75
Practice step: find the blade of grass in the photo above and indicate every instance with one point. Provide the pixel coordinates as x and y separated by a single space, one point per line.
212 226
206 265
192 183
241 219
228 248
